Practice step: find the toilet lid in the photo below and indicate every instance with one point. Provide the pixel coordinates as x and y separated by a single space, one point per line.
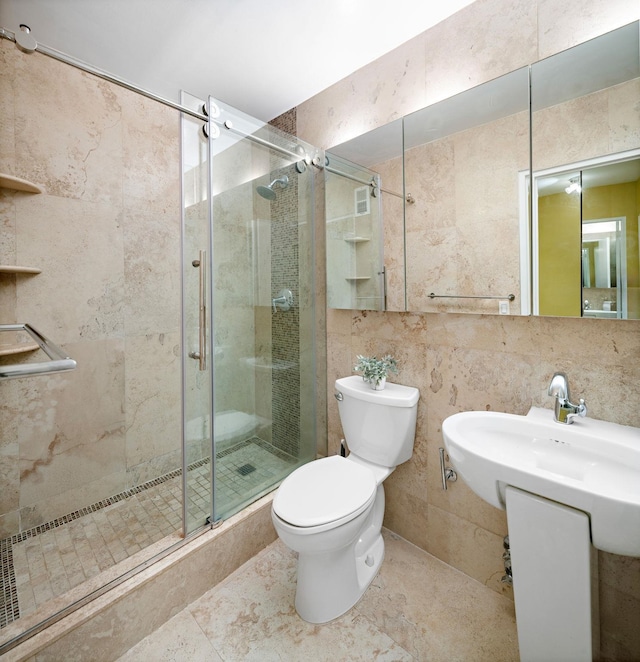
323 491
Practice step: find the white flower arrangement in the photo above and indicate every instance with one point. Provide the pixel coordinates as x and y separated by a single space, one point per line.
374 370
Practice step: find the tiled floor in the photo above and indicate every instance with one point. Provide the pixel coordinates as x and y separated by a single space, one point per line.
417 609
247 471
58 556
45 562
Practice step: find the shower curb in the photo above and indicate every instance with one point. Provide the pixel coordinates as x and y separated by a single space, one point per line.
104 628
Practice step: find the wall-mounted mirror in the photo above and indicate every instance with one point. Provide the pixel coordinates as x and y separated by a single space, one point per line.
462 157
464 163
586 179
355 266
365 245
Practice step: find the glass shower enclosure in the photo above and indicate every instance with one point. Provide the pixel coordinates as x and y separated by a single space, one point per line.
176 268
249 324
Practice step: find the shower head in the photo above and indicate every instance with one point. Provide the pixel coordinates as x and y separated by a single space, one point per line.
267 192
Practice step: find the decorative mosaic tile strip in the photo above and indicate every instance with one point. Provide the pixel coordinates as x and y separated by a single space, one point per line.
9 610
99 505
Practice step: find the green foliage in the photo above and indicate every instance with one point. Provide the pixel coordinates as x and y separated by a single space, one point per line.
374 370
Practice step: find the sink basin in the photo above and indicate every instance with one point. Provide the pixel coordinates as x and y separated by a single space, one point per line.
591 465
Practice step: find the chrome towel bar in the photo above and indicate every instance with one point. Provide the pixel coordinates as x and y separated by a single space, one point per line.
510 297
59 360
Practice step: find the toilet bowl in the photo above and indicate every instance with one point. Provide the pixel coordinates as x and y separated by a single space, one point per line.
330 511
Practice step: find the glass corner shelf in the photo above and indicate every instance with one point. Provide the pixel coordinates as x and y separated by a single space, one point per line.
59 359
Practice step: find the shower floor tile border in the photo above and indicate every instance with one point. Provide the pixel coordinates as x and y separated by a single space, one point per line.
9 605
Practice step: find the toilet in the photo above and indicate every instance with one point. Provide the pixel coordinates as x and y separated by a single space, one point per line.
330 510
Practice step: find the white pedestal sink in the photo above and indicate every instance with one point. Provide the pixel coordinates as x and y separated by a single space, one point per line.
565 488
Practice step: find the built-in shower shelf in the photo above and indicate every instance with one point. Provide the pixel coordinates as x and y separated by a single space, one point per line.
356 240
17 184
15 269
18 348
357 278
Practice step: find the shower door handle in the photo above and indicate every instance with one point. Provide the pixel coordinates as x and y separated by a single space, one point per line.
201 354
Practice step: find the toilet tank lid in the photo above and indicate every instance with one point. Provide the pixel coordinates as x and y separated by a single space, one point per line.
393 395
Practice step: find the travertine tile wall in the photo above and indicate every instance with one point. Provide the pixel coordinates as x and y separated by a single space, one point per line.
462 362
454 228
393 230
106 235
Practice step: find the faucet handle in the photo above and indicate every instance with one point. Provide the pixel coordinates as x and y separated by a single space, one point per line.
575 410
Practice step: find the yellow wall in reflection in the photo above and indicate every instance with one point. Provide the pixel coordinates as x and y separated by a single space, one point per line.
611 202
559 244
559 239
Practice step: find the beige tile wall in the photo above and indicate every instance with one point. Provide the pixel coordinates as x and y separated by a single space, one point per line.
106 234
462 362
454 227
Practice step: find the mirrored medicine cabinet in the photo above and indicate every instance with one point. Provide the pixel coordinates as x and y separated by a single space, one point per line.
501 200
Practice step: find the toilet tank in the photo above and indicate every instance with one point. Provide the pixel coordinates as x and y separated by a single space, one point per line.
379 426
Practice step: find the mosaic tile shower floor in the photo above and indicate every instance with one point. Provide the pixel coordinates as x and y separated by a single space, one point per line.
42 563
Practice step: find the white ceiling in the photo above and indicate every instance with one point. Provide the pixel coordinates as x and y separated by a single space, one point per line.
261 56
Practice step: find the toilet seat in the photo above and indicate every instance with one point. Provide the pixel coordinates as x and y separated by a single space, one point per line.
330 490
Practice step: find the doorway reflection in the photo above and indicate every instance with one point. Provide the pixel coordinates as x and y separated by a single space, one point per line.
586 239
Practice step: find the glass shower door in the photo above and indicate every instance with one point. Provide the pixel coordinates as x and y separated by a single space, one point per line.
198 360
264 425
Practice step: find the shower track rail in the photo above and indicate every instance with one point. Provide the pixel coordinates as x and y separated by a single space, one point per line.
372 183
104 75
100 73
60 361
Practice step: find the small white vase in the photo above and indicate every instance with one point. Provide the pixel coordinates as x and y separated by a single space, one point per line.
380 385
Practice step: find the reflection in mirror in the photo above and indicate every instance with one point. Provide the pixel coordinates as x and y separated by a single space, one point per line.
585 239
355 271
462 158
585 113
373 157
603 260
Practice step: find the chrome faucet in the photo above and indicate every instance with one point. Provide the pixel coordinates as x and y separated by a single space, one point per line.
564 411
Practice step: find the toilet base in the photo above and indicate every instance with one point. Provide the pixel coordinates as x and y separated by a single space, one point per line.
330 583
324 593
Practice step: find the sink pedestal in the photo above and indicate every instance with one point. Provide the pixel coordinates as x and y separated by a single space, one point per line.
554 569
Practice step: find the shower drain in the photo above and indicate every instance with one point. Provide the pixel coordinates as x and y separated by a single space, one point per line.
245 469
